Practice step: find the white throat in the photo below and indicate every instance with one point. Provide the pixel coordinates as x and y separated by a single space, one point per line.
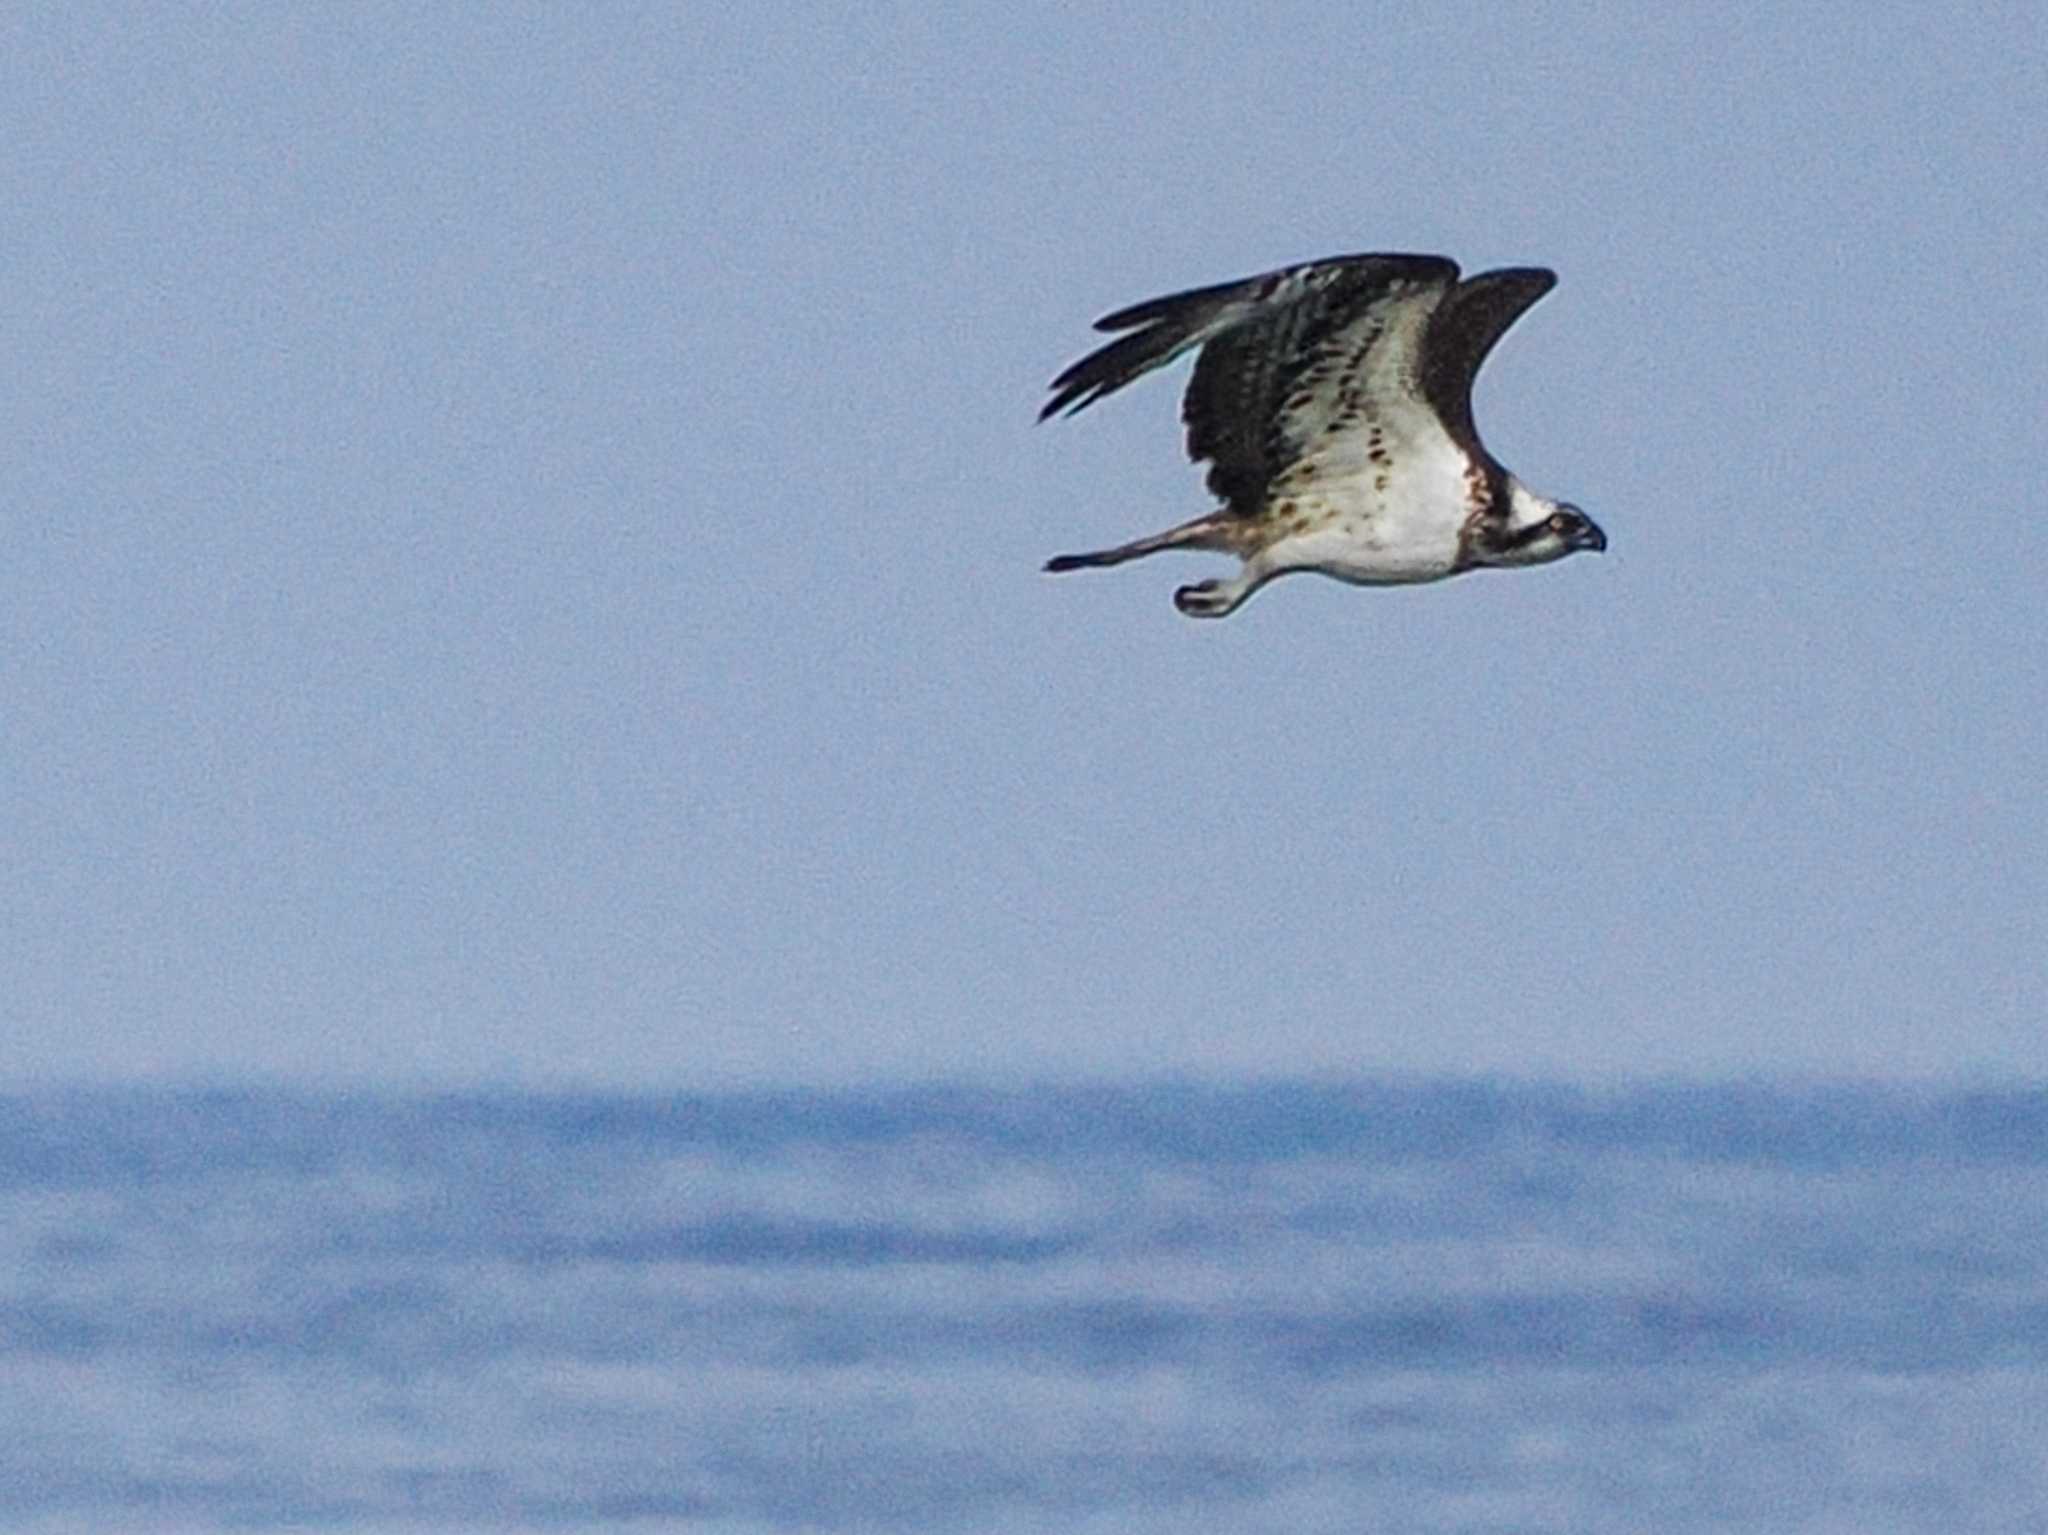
1526 511
1525 507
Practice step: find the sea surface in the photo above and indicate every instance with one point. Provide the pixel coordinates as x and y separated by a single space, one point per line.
1408 1306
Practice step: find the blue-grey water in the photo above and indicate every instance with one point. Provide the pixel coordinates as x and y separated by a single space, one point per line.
1387 1307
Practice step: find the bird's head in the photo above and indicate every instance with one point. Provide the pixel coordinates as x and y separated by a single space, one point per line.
1574 530
1540 530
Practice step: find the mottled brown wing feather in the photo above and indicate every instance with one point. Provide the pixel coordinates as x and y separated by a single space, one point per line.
1232 409
1249 332
1472 317
1239 381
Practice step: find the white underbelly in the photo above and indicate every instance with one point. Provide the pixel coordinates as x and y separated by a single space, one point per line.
1374 521
1371 551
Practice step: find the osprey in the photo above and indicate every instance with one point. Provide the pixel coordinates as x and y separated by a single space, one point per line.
1333 401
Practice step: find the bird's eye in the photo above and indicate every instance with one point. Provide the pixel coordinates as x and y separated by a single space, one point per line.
1562 522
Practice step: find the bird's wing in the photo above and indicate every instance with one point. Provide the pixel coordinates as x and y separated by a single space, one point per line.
1286 357
1472 317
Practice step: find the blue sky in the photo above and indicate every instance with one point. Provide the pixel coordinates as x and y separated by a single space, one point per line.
523 530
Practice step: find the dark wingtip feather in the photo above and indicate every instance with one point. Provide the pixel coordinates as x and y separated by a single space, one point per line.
1058 403
1190 302
1539 279
1106 370
1076 398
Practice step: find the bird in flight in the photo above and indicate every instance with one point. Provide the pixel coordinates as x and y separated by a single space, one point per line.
1333 403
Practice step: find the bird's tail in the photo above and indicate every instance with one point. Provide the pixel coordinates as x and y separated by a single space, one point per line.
1205 532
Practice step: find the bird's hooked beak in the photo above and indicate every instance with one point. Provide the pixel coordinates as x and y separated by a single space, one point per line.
1592 538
